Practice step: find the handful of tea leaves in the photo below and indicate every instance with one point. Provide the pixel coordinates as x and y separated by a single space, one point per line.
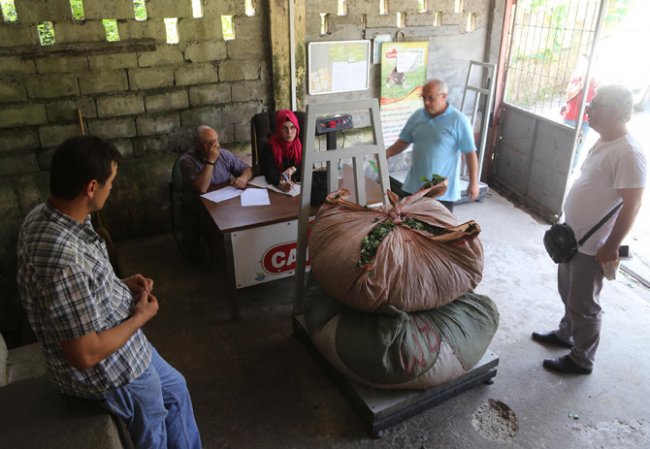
435 179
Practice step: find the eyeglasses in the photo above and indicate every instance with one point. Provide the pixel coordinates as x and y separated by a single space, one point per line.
431 97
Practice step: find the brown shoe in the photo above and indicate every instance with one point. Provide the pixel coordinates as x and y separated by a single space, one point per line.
550 338
565 365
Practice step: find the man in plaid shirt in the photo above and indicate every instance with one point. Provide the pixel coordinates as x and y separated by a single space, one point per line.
87 320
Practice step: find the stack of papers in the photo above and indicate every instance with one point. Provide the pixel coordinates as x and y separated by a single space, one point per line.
217 196
255 197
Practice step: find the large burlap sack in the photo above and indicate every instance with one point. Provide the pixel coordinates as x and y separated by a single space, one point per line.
412 269
399 350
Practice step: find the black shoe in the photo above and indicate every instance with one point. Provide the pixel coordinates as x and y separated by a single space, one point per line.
550 338
565 365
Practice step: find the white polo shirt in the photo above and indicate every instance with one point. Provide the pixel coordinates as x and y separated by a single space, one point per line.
618 164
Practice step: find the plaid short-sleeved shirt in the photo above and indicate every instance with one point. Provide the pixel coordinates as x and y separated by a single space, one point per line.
69 289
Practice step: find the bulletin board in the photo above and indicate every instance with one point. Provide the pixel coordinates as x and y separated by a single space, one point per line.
338 66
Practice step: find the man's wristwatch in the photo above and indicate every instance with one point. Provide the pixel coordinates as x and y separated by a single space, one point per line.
209 163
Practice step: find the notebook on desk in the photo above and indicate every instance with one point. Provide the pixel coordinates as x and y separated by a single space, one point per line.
260 181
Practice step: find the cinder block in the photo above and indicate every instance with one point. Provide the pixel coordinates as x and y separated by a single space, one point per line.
66 110
17 34
241 112
34 11
62 64
205 51
52 135
144 146
167 101
124 146
115 9
118 105
239 70
18 139
151 78
242 133
102 82
164 54
246 49
210 116
191 74
249 90
11 90
79 31
23 114
18 163
158 9
227 136
210 94
113 62
52 86
250 28
16 64
223 7
149 29
206 28
113 128
149 125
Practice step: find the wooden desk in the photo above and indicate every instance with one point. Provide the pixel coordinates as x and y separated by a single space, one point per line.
258 243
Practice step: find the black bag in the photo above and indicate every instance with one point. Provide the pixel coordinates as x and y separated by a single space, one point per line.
560 241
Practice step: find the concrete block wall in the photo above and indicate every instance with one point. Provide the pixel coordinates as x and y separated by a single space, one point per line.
138 93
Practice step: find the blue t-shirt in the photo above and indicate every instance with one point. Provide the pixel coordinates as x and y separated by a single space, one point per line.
437 145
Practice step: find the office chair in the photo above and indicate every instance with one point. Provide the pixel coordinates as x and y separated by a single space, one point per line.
176 203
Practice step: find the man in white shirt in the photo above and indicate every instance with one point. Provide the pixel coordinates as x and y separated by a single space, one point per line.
614 172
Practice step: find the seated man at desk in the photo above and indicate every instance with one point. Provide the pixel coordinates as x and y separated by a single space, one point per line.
282 153
204 166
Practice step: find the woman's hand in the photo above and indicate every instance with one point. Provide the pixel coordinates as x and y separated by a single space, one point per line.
284 185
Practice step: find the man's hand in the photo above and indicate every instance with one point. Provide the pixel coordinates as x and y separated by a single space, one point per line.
211 149
138 284
240 182
473 191
146 307
607 253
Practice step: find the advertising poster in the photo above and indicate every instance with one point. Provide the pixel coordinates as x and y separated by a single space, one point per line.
403 72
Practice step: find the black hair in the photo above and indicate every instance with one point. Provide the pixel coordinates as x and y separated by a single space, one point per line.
79 160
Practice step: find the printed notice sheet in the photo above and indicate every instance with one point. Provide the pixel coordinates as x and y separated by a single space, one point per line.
255 197
217 196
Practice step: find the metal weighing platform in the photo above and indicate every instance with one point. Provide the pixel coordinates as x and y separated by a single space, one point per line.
379 408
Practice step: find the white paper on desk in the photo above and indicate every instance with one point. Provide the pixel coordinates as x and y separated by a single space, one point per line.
260 181
216 196
255 197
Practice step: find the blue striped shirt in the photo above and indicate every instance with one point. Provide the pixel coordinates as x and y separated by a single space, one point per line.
69 289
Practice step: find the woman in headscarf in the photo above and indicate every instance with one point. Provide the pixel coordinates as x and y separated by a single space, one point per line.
282 153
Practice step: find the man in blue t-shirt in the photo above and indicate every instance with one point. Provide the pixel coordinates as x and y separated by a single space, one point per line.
439 134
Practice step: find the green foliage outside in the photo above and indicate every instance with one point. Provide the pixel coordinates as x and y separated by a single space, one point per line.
8 10
112 33
46 33
77 8
140 10
227 28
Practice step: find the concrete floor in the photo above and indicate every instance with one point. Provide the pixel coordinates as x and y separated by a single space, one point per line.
255 386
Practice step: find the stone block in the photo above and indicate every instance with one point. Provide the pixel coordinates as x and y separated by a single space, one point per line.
112 62
80 31
11 90
17 34
167 101
191 74
18 139
246 49
124 146
250 28
103 82
16 163
205 51
210 94
241 112
34 11
149 29
208 115
249 90
52 135
115 9
164 54
44 158
242 133
159 9
16 64
227 136
66 110
52 86
239 70
62 64
223 7
151 78
23 114
206 28
118 105
144 146
149 125
113 128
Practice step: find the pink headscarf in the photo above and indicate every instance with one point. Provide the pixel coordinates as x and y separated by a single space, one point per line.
280 147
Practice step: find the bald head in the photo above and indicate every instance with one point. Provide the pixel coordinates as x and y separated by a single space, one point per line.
434 97
437 85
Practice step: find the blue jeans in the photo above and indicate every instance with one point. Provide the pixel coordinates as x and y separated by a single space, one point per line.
156 408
